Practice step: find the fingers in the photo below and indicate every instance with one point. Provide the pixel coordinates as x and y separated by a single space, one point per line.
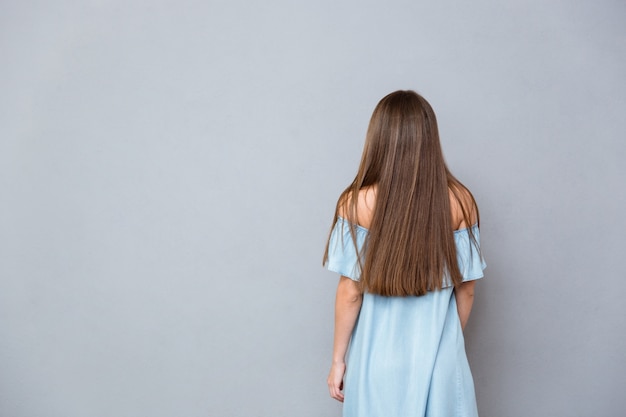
335 388
335 381
335 392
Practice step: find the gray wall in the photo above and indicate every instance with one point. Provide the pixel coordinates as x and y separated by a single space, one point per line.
168 172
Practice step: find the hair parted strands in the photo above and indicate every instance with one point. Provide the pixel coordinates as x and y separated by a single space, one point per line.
410 245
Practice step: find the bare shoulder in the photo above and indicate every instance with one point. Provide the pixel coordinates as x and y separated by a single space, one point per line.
366 201
463 207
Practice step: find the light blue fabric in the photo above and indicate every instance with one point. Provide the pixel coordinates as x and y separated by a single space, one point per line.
407 354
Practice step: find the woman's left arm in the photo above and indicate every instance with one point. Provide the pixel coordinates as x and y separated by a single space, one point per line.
347 307
464 300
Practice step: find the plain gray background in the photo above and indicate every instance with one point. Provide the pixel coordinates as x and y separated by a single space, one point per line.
168 174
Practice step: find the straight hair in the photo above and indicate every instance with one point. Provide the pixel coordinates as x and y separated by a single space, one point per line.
410 247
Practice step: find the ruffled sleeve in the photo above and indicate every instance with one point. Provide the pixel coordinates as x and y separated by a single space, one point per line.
342 254
471 262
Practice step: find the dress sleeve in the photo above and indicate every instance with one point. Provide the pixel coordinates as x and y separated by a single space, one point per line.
470 260
342 254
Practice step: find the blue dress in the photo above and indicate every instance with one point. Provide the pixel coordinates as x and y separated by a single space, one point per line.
407 354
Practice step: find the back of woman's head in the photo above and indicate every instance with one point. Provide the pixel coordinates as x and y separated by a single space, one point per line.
402 141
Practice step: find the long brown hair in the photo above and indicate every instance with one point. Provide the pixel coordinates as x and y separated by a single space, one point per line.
410 245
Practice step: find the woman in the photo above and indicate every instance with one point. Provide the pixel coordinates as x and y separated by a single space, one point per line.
405 241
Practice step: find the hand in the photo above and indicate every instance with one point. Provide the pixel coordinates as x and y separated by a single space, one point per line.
335 380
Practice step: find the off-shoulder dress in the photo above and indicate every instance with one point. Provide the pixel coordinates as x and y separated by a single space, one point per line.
407 354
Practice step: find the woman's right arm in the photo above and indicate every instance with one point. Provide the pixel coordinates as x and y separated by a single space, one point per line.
349 298
347 307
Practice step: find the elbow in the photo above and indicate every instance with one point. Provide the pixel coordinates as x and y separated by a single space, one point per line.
349 292
465 295
468 294
354 298
466 289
